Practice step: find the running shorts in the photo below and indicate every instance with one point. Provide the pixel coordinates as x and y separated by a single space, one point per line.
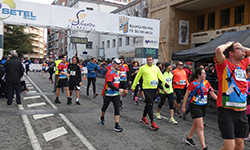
123 85
198 111
232 124
63 83
74 85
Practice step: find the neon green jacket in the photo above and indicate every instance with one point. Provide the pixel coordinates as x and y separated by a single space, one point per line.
169 78
57 62
150 75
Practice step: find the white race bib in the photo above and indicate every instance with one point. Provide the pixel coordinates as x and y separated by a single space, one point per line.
182 82
154 83
72 73
117 80
240 75
169 80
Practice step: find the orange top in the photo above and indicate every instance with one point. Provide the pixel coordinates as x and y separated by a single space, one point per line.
180 78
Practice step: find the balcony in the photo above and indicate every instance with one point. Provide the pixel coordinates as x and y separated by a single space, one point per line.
35 44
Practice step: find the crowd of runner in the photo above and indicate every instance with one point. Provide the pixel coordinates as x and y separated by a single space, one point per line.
187 90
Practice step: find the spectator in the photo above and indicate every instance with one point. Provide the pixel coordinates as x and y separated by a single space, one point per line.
14 72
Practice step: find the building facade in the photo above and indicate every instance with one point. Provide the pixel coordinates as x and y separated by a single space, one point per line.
189 23
38 42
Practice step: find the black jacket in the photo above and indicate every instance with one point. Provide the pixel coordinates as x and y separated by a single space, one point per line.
14 70
75 72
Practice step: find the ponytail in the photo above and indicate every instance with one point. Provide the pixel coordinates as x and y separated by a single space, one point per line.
195 74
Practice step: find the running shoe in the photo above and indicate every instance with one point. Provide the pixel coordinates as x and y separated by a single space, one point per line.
95 95
204 123
158 116
69 101
136 103
78 103
206 148
173 121
144 120
190 142
57 101
139 98
118 128
178 114
247 138
101 121
154 127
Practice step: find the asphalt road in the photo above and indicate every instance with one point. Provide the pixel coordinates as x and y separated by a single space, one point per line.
41 124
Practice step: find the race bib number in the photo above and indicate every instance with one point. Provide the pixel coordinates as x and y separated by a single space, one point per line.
154 83
64 70
240 75
117 80
123 76
72 73
169 80
182 82
201 101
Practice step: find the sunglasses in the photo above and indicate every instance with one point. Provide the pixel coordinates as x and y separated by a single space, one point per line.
240 48
180 64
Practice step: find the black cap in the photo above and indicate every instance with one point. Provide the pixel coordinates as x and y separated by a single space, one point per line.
167 64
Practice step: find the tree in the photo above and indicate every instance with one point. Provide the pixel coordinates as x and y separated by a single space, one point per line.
16 39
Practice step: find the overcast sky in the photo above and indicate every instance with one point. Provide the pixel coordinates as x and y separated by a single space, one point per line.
40 1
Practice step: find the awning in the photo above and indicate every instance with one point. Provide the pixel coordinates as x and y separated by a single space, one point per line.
206 52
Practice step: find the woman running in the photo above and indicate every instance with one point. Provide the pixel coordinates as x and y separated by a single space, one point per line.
198 90
133 72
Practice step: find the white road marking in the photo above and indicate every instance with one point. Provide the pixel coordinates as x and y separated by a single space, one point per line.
36 104
31 92
162 117
28 84
40 116
31 97
72 127
54 133
30 88
33 139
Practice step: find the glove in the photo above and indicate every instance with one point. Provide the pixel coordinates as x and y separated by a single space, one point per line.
95 68
167 86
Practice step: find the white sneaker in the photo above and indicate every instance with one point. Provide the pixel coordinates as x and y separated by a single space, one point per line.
173 121
158 116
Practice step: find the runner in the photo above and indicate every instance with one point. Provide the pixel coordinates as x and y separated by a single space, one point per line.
62 80
44 65
198 91
150 74
124 76
57 62
75 80
169 94
92 68
231 102
133 72
110 64
179 83
27 63
111 93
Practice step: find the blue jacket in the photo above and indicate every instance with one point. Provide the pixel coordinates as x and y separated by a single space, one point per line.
91 69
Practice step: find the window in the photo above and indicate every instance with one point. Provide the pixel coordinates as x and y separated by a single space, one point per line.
103 44
225 17
200 23
127 40
108 44
89 8
239 14
211 20
114 42
89 45
120 42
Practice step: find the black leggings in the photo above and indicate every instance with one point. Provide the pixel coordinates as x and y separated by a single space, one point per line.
136 90
93 80
170 100
179 94
115 100
150 95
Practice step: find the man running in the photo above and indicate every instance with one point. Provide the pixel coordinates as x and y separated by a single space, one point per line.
75 80
150 74
111 93
124 75
231 101
62 80
57 62
180 81
92 68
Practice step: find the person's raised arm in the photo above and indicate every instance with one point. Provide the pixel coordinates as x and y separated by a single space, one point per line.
219 56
